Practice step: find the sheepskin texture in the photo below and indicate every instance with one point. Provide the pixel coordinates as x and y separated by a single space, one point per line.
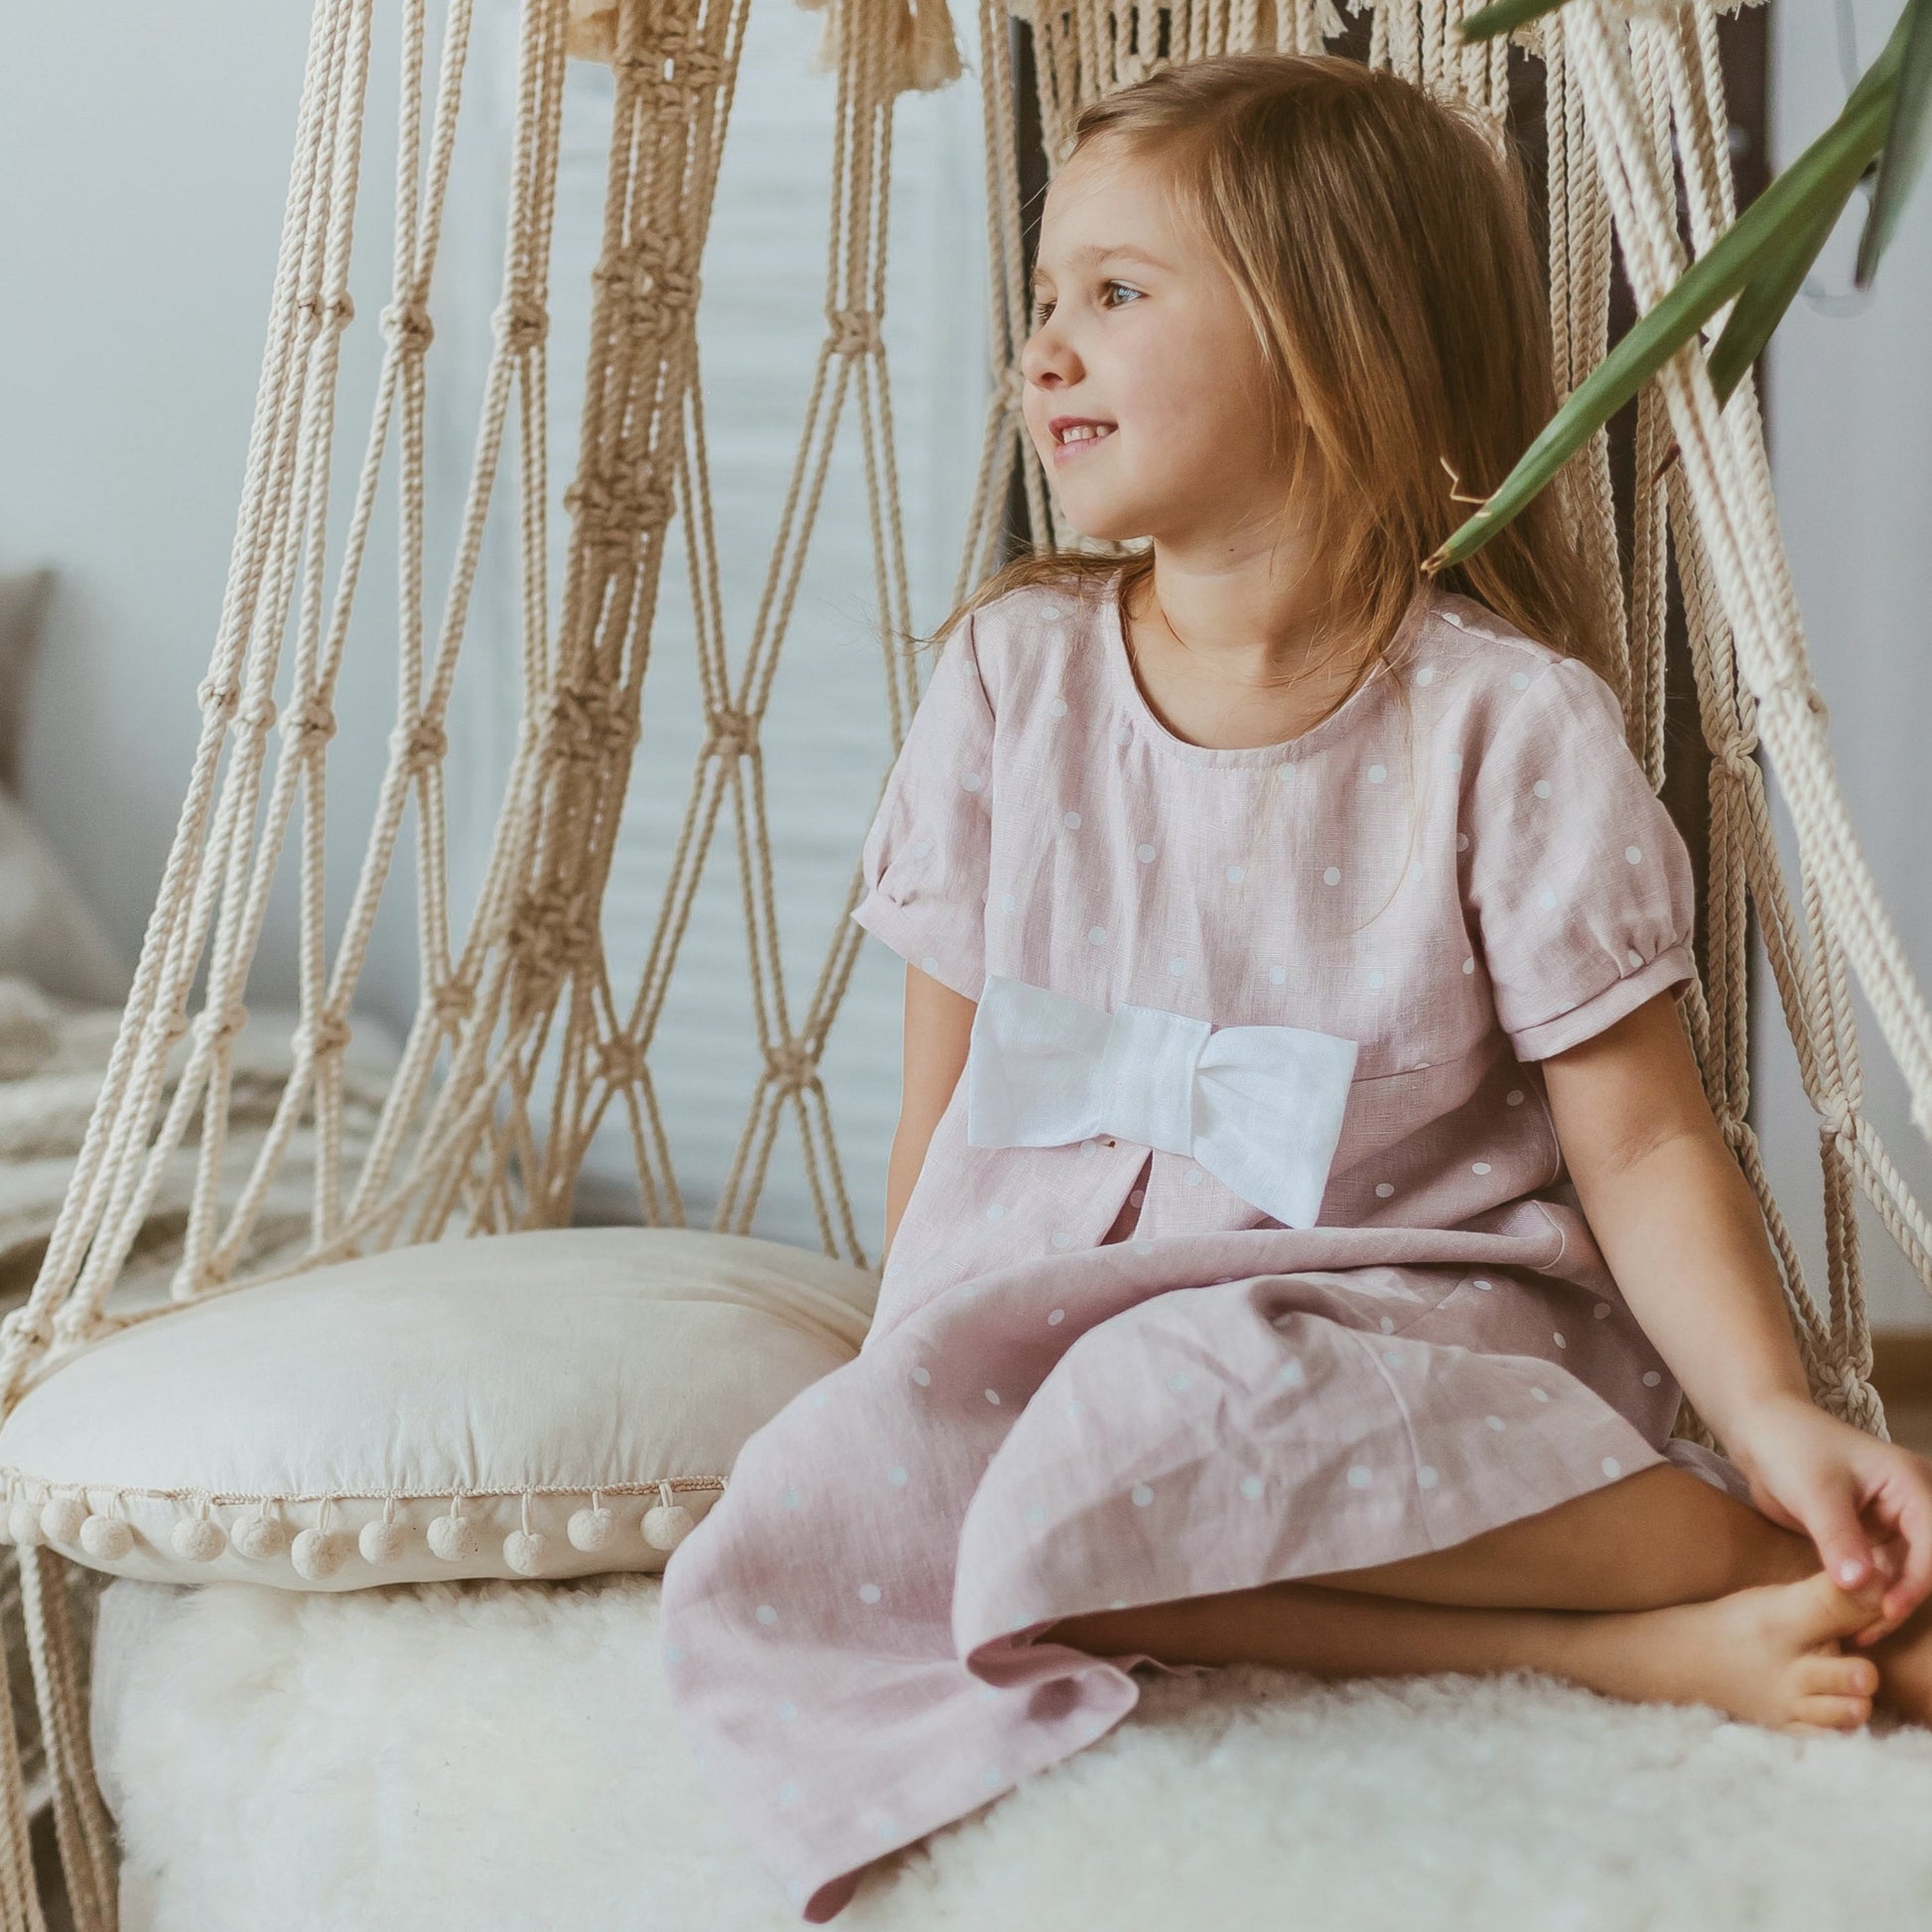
500 1757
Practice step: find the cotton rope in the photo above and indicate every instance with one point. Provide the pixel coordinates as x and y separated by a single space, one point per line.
521 1044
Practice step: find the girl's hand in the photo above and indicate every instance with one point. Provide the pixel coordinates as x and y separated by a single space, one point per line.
1864 1504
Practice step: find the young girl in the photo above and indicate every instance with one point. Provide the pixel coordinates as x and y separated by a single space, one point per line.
1304 1212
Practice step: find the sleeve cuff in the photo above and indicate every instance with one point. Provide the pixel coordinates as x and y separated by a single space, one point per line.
1605 1008
948 957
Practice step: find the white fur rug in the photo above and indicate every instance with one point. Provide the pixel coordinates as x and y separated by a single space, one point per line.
495 1758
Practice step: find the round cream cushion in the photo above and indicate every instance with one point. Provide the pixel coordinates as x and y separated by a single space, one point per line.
556 1403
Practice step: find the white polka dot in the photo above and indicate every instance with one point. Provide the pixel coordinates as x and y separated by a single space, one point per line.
870 1592
1495 1421
1426 1477
766 1614
787 1710
972 781
1359 1476
1118 1604
1455 760
899 1475
674 1653
1514 1097
792 1499
1469 964
1480 1282
1541 787
1192 1177
1601 1311
1461 840
1546 898
1333 877
1177 965
1143 1495
1006 901
1071 820
921 847
1138 1196
1090 1147
1284 772
993 1396
819 1399
1478 1167
1074 1410
1056 707
928 964
1144 854
1178 1383
1415 871
1236 874
1143 1247
1633 853
924 1377
1377 978
1427 675
1388 1325
1097 936
994 1213
1559 1340
1519 680
1278 975
1054 1319
1541 1395
1377 773
1395 1358
1293 1374
1035 1515
1385 1188
1634 957
1199 760
1611 1466
1062 1240
1651 1378
1251 1487
1123 733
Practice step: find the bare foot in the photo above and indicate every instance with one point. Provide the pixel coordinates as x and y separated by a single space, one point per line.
1904 1661
1770 1655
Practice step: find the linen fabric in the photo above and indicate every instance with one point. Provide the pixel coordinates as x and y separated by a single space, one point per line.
1097 1375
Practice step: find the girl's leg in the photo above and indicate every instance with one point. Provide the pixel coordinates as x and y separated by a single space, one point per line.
1767 1655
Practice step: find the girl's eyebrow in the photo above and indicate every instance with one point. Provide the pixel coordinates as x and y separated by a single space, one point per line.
1092 251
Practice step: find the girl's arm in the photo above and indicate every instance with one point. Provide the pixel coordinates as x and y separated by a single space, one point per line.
938 1027
1673 1213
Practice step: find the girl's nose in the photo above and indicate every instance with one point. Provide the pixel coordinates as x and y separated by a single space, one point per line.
1045 359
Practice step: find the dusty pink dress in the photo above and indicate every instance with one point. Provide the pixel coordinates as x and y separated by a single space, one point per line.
1098 1376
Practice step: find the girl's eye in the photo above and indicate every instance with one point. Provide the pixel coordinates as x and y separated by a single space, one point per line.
1041 309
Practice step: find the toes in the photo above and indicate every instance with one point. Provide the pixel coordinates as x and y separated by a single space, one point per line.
1834 1713
1833 1675
1822 1612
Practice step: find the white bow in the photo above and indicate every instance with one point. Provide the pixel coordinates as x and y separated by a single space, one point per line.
1259 1107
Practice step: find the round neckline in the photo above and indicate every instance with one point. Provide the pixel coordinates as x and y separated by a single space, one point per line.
1120 669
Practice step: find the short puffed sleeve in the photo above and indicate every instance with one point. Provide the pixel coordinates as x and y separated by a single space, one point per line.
1578 879
924 862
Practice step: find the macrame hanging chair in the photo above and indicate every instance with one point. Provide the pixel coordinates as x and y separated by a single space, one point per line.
523 1043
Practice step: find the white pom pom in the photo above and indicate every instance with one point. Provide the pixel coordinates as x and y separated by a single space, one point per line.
591 1530
382 1542
315 1553
524 1551
199 1539
260 1539
106 1537
24 1523
62 1517
453 1538
666 1525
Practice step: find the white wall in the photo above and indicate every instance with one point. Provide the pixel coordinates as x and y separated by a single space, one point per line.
1849 389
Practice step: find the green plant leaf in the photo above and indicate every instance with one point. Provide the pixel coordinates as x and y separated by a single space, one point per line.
1760 240
1504 17
1906 142
1771 291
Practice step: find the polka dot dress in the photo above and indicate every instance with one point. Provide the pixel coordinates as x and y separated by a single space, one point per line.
1097 1376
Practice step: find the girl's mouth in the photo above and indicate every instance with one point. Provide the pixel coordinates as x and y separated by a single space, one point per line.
1079 439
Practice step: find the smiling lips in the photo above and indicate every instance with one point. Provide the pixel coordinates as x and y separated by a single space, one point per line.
1072 434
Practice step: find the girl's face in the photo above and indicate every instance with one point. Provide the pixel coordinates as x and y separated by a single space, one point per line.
1139 333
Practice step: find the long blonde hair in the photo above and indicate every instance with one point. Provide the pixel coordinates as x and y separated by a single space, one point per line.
1385 259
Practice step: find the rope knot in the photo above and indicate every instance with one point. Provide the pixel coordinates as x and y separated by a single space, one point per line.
24 1325
522 325
175 1026
408 326
258 714
620 1063
309 726
855 332
423 744
731 734
337 313
1836 1118
221 701
325 1037
452 1003
613 518
1734 753
791 1068
1012 386
218 1024
548 933
588 724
